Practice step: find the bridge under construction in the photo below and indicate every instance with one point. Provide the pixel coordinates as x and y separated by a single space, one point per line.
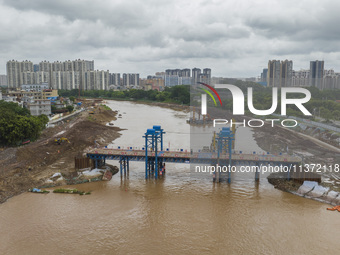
154 156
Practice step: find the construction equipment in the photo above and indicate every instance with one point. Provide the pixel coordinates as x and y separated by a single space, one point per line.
61 140
335 208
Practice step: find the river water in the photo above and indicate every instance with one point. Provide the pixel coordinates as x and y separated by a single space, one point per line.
175 215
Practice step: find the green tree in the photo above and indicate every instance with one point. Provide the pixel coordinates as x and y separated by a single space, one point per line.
16 124
70 108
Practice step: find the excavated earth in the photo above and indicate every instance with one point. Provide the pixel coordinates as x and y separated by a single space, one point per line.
22 168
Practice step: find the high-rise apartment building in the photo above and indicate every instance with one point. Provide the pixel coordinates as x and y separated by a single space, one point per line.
135 79
207 72
126 79
82 66
300 78
179 72
316 74
185 72
274 77
44 66
130 79
35 67
68 65
3 80
264 75
286 71
64 80
114 79
102 79
14 69
206 76
331 80
171 80
185 76
196 73
67 74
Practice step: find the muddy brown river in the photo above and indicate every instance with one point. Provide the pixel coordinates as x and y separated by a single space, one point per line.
179 214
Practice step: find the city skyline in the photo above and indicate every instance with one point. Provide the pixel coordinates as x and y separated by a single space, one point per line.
82 74
235 39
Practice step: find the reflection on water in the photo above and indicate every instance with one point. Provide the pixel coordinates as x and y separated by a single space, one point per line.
177 214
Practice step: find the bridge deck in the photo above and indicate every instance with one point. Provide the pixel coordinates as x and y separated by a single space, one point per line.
185 156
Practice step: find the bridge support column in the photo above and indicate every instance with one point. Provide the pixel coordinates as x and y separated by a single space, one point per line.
257 172
229 176
230 144
217 176
124 166
127 165
121 167
288 173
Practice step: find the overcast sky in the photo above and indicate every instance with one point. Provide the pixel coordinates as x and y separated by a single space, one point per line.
233 38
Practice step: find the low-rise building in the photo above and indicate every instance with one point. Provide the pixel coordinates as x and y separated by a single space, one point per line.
20 94
51 94
58 104
8 98
40 106
35 87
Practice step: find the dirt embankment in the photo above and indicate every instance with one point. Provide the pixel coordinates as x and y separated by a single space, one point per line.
314 147
28 166
284 140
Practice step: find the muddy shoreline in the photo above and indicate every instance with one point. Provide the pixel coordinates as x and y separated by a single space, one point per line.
312 151
28 166
31 165
311 145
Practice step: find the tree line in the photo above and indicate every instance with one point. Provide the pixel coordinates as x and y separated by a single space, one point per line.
323 102
177 94
18 125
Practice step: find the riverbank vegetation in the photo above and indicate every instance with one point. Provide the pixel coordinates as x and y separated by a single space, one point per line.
177 94
322 104
71 191
17 125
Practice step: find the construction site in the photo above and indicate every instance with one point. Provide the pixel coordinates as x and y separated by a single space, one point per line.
30 165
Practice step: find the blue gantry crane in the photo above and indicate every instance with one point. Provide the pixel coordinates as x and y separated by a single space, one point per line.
224 140
153 148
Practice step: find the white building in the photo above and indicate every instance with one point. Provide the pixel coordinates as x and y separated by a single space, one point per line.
34 87
14 69
3 80
331 81
301 78
40 106
98 80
